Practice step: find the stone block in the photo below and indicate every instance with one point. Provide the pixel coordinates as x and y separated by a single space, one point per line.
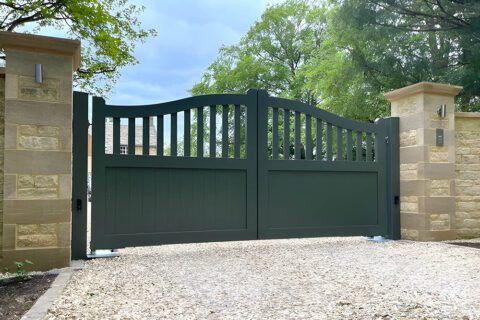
65 187
27 130
408 138
48 131
44 113
64 235
38 143
468 223
48 181
37 193
436 204
413 154
37 211
11 87
10 186
54 66
25 181
9 236
439 225
37 240
436 171
10 136
409 234
25 229
48 90
467 124
38 162
470 159
437 235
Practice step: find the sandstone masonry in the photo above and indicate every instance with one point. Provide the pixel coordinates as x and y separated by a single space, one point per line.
37 150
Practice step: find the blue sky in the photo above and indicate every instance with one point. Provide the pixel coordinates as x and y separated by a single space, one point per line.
190 32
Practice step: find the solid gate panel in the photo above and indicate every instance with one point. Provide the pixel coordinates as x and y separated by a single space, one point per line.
304 199
190 200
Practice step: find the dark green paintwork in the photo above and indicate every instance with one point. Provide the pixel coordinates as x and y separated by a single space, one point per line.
79 175
148 200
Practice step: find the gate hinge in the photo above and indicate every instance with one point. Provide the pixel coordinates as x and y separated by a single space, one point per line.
387 139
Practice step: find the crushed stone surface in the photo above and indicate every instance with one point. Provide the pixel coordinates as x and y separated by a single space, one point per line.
317 278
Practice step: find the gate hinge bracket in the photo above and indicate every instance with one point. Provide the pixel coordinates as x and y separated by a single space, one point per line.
387 139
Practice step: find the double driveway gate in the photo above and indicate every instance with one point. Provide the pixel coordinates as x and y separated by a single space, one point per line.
237 167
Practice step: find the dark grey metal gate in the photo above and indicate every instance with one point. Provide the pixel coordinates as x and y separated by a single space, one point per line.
341 179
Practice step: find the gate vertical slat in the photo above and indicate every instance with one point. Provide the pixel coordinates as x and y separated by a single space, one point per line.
275 133
359 146
116 135
225 131
297 138
146 136
186 133
349 145
131 135
329 142
200 132
368 141
318 140
160 135
173 134
213 131
308 137
236 133
339 143
286 134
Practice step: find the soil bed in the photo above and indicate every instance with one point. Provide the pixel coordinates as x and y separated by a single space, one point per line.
16 298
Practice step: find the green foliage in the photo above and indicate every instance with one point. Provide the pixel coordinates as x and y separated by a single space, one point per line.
20 273
343 55
270 55
109 30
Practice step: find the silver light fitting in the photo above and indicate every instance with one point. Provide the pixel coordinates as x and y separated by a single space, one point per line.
442 111
38 73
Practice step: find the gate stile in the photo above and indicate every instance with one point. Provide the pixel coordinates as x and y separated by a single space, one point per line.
331 185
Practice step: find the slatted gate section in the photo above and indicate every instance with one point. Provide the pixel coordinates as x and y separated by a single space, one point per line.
237 167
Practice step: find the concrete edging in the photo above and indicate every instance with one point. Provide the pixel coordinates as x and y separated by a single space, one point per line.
40 309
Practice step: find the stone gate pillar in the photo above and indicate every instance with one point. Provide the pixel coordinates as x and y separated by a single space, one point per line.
427 160
38 149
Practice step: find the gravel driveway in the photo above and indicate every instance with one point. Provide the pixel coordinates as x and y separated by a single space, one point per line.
320 278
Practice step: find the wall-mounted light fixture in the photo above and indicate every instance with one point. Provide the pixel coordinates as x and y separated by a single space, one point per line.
38 73
442 111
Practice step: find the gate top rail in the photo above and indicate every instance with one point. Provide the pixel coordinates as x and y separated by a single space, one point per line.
298 106
165 108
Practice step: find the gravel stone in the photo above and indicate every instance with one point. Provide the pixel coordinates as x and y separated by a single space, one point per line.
319 278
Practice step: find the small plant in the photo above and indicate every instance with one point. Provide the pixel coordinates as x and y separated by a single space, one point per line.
20 274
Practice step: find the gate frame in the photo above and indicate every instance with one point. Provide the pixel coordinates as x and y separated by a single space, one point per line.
79 228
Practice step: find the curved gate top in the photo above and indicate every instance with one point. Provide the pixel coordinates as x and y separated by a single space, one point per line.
237 167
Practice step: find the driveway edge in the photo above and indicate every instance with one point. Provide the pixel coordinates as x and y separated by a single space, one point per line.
40 309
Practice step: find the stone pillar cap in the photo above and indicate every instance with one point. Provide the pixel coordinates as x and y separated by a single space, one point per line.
423 87
44 44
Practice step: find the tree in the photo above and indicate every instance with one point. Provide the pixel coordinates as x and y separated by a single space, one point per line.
270 56
396 43
109 30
